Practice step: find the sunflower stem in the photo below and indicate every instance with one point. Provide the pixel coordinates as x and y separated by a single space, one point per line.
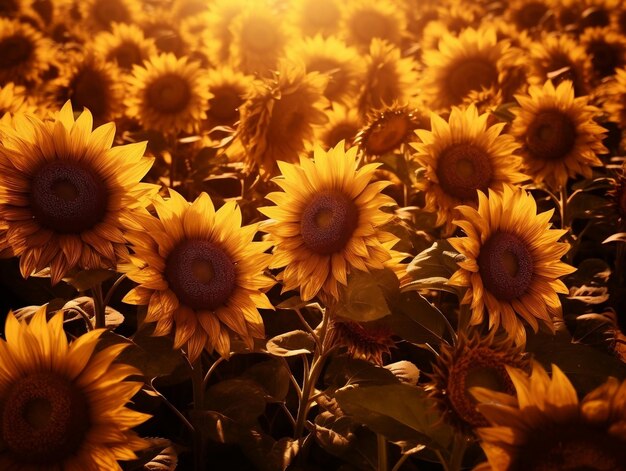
109 295
458 452
400 462
383 459
565 222
99 306
212 368
197 380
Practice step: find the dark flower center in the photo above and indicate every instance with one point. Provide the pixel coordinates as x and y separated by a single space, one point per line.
328 222
369 340
126 55
8 8
201 274
344 131
530 15
472 74
605 57
387 133
336 75
109 11
595 18
168 94
44 419
224 106
367 25
90 89
506 266
571 447
551 135
483 367
462 169
15 50
67 197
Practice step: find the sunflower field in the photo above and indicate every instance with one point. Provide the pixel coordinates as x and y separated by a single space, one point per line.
311 235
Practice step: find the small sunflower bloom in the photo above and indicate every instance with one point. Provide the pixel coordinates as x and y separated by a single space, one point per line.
200 274
327 221
512 262
65 190
557 132
545 426
63 406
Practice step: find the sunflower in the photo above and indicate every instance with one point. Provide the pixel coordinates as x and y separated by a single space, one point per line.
62 405
200 273
547 427
462 156
259 37
169 95
12 8
597 13
363 20
369 341
124 46
228 88
558 135
89 82
64 191
512 262
15 99
451 19
472 61
24 53
530 15
220 16
99 15
279 114
331 56
389 78
166 31
344 122
615 106
327 222
473 361
387 130
558 57
606 49
312 17
618 20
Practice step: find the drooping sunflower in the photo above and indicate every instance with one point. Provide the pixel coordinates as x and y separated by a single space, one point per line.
312 17
200 274
124 46
462 156
512 262
362 21
228 88
327 222
389 78
331 56
63 406
259 37
64 191
344 123
278 117
606 49
473 60
24 53
369 341
558 57
558 134
15 99
89 82
168 94
388 129
99 15
473 361
545 426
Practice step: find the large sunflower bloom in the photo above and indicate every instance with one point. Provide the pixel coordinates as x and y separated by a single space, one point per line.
63 406
326 222
200 274
558 135
474 360
462 156
279 114
512 262
168 94
64 189
547 427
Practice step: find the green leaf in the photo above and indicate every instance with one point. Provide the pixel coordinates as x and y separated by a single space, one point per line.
415 319
296 342
586 367
399 411
586 205
273 376
241 400
365 297
160 455
432 268
334 434
267 453
292 303
87 279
